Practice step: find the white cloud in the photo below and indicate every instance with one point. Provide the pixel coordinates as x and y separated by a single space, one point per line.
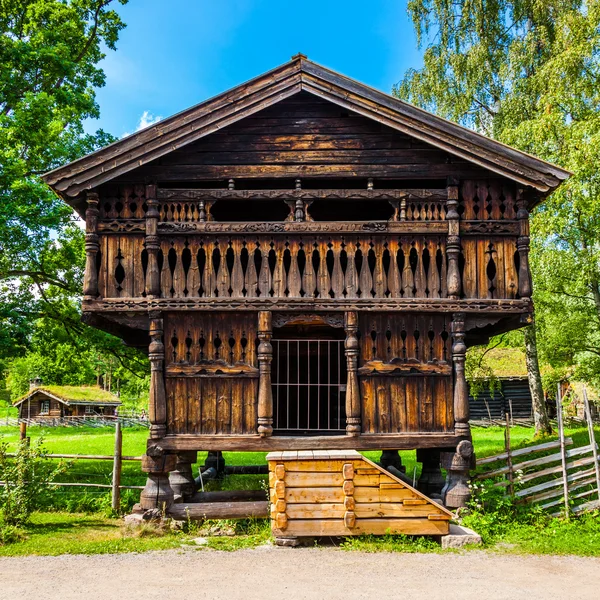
146 120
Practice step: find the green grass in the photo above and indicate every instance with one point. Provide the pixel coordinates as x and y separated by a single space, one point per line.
76 532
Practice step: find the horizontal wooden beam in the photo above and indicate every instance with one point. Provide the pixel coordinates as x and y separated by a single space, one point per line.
111 305
254 443
219 510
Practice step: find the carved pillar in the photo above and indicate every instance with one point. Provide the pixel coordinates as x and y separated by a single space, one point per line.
456 492
181 479
431 480
158 402
92 246
352 385
158 492
265 391
453 241
523 246
152 244
461 393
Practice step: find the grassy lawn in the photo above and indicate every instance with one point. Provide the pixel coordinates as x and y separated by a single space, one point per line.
73 531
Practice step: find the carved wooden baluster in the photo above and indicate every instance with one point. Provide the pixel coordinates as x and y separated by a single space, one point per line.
265 391
264 278
408 279
250 277
495 192
403 209
279 278
192 283
433 276
453 243
337 275
420 279
152 244
166 277
179 273
351 276
157 407
323 279
352 346
237 273
393 275
509 201
523 246
92 247
206 274
294 282
223 277
461 391
379 282
309 280
365 277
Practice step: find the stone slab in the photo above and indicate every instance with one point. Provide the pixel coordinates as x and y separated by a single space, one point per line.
460 536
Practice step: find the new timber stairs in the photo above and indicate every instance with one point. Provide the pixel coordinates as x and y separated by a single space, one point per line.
342 493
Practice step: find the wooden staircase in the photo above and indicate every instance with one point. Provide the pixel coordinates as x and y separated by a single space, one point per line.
342 493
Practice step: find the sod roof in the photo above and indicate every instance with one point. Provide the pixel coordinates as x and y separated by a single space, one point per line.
74 394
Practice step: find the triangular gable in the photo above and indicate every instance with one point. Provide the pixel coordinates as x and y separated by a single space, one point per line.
37 391
283 82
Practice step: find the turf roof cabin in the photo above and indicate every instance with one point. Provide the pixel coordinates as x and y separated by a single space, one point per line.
63 401
306 259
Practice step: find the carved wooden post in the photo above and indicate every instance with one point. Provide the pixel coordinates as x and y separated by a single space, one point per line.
453 242
265 392
461 393
523 246
182 478
352 386
158 492
152 244
92 246
158 402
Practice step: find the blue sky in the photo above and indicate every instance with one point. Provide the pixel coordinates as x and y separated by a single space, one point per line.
176 53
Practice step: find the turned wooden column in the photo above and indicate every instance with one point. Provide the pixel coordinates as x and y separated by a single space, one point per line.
181 478
453 242
158 402
92 247
158 492
523 246
461 392
352 385
152 244
265 391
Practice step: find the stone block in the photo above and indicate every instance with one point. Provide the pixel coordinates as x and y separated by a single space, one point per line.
460 536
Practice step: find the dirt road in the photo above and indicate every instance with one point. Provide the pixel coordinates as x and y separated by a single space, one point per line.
298 573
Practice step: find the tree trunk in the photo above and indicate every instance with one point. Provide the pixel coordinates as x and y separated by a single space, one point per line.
540 414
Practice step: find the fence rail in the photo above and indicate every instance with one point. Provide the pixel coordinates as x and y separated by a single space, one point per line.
117 458
76 422
554 477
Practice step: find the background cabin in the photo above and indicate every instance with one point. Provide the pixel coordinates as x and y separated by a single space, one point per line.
63 401
305 260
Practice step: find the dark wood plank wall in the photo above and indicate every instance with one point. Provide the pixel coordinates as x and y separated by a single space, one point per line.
304 135
405 373
211 373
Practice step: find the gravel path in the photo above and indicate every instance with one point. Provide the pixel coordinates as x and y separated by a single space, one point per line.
297 573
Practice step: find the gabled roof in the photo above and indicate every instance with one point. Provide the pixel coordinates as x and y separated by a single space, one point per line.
287 80
73 395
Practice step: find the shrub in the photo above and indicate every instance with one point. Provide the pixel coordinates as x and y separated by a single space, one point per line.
27 477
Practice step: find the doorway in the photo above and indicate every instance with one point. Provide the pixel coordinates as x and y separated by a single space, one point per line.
309 381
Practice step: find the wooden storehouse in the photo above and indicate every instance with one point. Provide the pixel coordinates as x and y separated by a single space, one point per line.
50 402
306 260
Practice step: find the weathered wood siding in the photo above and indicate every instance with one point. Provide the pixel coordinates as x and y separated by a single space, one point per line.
405 373
211 373
305 136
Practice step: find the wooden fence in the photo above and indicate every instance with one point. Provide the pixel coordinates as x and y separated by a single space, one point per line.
117 459
569 476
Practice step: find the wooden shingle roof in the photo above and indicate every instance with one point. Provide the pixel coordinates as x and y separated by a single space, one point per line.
73 395
300 75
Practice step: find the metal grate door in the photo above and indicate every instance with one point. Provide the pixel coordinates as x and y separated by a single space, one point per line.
309 386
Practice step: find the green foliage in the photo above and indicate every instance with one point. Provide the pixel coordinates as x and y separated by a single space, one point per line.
391 543
527 73
26 479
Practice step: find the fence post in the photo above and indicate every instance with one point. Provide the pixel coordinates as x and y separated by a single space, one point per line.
117 464
590 424
23 430
563 453
509 463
